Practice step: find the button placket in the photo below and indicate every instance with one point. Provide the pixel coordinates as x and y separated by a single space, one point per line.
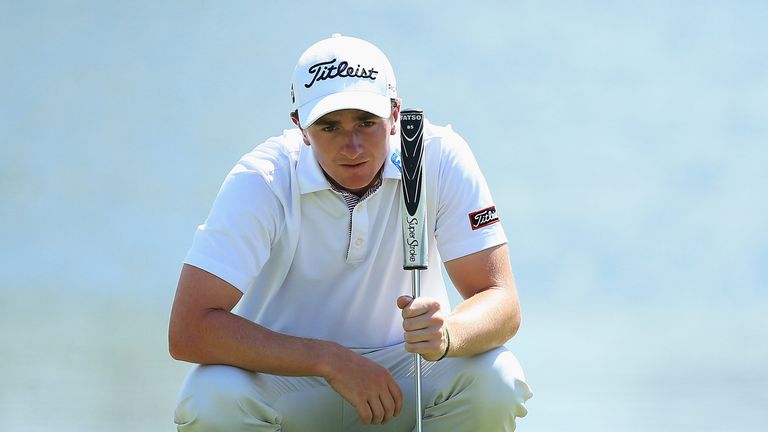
359 235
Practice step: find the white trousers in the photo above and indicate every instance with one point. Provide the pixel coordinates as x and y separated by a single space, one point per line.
483 393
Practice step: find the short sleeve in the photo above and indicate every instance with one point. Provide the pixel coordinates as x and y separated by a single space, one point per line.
236 239
466 220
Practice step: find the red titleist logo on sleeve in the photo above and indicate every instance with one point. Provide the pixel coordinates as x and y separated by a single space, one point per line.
484 217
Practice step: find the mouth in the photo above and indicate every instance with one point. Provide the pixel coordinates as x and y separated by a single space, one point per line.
353 164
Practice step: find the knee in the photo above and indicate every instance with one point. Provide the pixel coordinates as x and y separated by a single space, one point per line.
213 398
497 384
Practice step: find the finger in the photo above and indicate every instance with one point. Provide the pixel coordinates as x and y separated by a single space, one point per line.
422 322
404 301
397 396
425 350
421 306
429 346
377 409
388 403
364 412
431 335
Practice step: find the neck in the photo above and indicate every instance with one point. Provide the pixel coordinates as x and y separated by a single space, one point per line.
358 192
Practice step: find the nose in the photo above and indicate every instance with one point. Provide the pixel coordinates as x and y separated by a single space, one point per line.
353 145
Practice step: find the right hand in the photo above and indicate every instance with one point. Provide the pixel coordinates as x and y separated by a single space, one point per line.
367 386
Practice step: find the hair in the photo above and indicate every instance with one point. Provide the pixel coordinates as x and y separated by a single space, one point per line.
393 102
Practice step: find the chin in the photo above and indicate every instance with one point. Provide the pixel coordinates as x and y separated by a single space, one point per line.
357 185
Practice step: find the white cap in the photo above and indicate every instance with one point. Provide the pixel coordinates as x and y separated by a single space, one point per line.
342 72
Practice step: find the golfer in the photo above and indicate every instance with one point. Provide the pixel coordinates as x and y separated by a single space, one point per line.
292 301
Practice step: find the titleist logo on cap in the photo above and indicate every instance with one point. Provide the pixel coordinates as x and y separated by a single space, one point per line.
329 70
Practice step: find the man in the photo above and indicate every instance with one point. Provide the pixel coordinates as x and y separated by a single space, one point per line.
292 298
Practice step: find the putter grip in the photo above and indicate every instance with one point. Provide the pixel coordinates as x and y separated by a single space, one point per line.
414 198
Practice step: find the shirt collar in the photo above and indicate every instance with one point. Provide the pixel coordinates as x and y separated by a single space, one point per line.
309 173
392 164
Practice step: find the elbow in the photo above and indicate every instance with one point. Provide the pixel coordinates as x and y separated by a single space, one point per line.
174 346
512 324
506 331
178 343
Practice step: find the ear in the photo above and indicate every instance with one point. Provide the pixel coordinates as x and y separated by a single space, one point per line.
395 117
295 120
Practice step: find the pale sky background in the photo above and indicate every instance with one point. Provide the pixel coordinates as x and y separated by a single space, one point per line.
624 142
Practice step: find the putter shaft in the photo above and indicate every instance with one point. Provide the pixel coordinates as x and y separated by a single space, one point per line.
416 290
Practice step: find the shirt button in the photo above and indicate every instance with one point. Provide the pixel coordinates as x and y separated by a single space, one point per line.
359 242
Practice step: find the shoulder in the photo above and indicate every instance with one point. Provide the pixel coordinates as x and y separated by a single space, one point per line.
265 172
273 157
440 140
445 147
442 134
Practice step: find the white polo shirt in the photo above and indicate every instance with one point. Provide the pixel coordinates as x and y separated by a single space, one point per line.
279 233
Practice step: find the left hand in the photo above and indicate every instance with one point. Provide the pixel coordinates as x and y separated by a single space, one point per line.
423 323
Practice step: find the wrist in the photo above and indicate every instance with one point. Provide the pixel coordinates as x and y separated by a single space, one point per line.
447 338
328 359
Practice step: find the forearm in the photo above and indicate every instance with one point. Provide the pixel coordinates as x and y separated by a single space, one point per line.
203 330
483 322
221 337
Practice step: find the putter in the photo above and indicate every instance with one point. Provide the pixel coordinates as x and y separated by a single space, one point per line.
414 215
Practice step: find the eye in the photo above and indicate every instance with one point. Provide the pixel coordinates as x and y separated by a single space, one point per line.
367 123
328 128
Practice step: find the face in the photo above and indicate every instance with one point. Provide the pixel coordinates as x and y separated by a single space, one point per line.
351 146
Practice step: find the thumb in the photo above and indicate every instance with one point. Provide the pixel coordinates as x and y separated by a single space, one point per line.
403 301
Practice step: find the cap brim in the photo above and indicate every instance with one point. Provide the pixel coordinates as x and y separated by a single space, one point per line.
373 103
